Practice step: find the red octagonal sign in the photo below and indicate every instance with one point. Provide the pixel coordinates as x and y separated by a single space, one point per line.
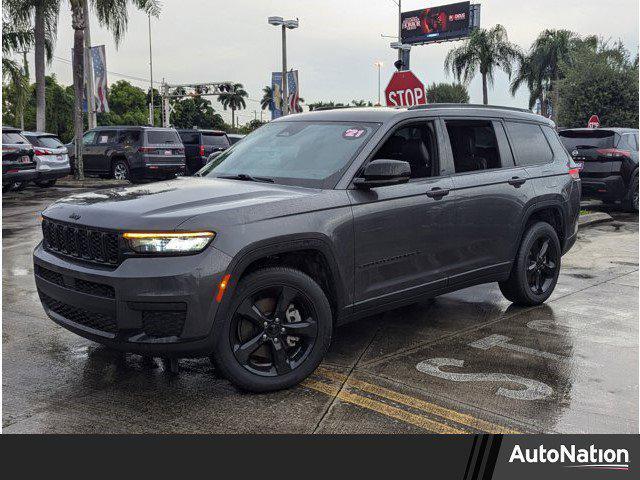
405 90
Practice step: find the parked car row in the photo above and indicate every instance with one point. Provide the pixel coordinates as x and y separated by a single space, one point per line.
32 156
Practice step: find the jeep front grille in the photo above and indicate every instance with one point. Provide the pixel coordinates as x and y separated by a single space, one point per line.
81 243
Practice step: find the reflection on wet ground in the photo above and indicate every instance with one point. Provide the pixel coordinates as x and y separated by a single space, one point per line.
464 362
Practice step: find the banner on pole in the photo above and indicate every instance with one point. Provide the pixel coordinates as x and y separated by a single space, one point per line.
99 61
293 88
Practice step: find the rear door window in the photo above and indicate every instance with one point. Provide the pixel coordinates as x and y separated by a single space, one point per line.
529 144
162 136
89 138
627 142
129 136
473 144
215 140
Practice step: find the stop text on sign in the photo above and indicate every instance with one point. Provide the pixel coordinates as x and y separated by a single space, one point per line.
406 98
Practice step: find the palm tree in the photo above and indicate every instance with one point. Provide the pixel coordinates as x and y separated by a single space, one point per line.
234 99
549 53
112 15
267 98
529 74
485 50
16 36
45 17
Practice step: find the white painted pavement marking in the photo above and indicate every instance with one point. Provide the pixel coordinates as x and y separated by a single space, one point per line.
501 341
534 390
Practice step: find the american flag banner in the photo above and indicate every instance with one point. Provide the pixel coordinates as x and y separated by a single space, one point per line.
99 59
294 91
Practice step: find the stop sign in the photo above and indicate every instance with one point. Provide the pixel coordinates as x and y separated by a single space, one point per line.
405 90
594 121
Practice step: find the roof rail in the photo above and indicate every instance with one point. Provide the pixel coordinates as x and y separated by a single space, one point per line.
466 105
335 107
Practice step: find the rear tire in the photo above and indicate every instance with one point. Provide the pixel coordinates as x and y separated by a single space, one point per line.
276 332
536 268
120 170
630 203
18 186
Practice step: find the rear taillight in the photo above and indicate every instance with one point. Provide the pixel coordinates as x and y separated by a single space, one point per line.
613 152
574 171
202 150
9 149
43 151
146 149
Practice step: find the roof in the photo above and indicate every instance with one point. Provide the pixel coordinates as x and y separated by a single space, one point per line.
39 134
612 129
130 127
385 114
200 130
10 129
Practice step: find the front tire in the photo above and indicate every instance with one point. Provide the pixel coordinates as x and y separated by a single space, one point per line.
276 333
535 271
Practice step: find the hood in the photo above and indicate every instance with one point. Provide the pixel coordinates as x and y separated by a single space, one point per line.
166 205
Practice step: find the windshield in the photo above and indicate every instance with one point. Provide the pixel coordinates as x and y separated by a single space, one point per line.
49 142
311 154
162 136
583 139
215 140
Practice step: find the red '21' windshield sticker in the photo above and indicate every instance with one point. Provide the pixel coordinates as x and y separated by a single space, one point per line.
353 133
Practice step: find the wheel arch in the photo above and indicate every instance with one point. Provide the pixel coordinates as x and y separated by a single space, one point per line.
548 211
311 254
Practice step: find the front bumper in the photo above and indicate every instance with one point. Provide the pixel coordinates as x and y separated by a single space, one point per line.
152 306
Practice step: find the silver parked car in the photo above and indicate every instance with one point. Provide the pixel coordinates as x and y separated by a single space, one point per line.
52 160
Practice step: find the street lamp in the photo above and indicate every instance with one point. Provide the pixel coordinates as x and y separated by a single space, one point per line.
285 24
378 64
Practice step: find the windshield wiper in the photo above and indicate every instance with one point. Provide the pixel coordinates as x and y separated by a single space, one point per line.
246 177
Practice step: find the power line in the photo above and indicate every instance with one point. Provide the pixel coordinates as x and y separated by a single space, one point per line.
117 74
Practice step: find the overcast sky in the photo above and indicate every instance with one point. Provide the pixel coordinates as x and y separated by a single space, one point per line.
334 49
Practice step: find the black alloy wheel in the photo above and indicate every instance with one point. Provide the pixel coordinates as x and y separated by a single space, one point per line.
542 266
276 332
535 270
273 331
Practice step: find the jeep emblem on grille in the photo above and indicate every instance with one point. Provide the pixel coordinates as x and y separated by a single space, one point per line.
575 153
74 216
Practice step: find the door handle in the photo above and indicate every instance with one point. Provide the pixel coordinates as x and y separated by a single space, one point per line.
517 181
437 192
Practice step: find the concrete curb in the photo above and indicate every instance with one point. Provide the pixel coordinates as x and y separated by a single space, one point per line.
593 219
70 182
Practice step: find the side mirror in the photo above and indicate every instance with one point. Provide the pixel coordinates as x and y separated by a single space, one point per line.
380 173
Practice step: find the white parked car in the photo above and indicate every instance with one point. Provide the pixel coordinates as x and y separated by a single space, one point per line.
52 160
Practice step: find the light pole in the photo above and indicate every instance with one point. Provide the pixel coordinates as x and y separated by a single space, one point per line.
378 64
151 116
399 4
290 24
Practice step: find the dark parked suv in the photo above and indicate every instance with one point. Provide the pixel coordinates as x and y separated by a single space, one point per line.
608 162
18 165
199 144
311 221
131 153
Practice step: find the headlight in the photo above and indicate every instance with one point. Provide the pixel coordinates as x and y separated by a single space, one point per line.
169 242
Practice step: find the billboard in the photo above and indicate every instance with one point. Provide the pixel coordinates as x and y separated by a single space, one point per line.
437 24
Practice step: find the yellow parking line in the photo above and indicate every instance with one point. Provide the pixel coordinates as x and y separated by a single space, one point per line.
416 403
382 408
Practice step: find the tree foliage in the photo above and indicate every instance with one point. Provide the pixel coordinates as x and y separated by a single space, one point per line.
447 93
603 82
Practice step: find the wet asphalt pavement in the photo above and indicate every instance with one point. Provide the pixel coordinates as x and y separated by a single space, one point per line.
464 362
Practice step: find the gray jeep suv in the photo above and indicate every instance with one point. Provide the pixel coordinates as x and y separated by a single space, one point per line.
311 221
131 153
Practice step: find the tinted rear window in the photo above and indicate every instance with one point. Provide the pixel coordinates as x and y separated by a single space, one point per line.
13 137
162 136
585 139
215 140
190 137
529 144
48 142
